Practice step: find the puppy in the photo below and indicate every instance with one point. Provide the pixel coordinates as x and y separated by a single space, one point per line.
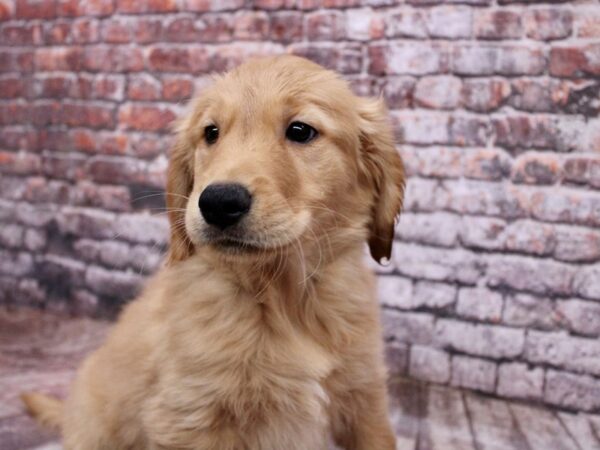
263 330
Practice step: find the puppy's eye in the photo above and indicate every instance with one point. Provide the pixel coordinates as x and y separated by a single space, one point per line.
211 134
300 132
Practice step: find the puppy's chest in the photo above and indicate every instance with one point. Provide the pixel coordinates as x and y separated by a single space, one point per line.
242 368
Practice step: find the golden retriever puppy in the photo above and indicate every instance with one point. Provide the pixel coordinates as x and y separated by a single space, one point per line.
262 333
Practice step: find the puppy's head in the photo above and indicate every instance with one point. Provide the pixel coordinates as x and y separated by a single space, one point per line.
279 153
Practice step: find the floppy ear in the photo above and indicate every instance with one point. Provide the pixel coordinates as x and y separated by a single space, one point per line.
384 172
180 179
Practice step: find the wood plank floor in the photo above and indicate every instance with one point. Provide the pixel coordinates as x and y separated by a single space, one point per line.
40 351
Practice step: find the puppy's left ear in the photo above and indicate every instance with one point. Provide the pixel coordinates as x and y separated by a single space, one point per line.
179 185
384 171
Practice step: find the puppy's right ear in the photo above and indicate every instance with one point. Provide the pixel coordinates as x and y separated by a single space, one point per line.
180 180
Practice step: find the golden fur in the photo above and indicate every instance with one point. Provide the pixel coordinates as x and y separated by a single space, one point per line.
273 346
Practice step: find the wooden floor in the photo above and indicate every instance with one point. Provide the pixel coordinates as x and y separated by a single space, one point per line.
40 351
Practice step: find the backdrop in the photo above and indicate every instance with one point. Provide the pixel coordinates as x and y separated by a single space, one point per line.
495 279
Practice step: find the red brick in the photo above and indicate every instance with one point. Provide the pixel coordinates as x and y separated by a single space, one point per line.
398 92
85 31
143 87
103 142
212 5
417 127
535 168
6 9
251 26
16 60
112 59
583 169
435 2
499 24
146 6
35 9
440 92
146 118
102 87
53 86
15 113
578 97
177 89
468 130
57 58
522 132
556 96
274 4
147 30
286 26
481 59
575 61
69 166
19 163
436 162
364 24
22 34
72 8
419 58
486 164
326 26
55 139
182 29
78 114
179 59
150 145
12 87
116 31
44 113
112 198
484 95
535 95
15 138
548 24
365 86
313 4
116 170
449 22
57 33
587 22
345 58
406 22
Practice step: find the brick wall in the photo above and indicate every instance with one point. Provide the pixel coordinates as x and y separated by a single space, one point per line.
495 279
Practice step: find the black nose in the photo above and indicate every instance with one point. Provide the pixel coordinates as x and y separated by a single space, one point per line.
223 205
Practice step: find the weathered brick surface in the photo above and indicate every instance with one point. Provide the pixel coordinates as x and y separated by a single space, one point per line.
520 381
473 373
494 283
480 304
429 364
478 339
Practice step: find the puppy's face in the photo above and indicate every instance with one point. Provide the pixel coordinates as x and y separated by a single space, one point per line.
277 153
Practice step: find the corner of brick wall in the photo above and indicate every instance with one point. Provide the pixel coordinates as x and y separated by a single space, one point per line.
494 283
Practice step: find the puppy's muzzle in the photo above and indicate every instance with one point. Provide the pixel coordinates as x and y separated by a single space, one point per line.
224 204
